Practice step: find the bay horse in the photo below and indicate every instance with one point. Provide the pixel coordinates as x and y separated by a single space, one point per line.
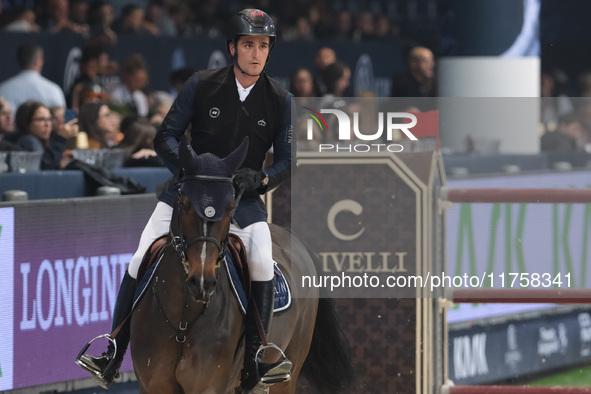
187 331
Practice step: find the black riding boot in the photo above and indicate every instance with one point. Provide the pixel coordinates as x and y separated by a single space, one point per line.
106 367
255 373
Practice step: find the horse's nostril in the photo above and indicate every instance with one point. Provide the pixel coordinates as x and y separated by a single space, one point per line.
209 284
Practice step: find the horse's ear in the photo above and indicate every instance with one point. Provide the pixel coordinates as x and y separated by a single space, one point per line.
235 159
187 155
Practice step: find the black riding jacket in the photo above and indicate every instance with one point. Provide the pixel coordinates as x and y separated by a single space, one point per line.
210 104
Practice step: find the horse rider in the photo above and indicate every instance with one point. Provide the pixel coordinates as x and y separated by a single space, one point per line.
222 107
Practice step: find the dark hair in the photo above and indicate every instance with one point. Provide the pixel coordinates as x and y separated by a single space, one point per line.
87 119
134 62
332 73
26 54
24 115
139 134
129 9
292 77
94 16
92 52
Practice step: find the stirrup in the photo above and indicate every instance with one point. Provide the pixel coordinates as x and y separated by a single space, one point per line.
279 373
93 371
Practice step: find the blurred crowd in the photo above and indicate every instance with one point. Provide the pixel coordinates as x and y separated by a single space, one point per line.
565 112
296 20
114 106
36 115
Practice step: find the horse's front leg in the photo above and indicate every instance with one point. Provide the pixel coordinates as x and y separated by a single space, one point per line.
214 372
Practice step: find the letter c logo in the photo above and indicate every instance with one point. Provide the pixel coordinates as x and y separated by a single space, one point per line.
344 205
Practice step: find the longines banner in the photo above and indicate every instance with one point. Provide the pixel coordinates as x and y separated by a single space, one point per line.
61 262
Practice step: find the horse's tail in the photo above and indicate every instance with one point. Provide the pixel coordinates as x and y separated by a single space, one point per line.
328 366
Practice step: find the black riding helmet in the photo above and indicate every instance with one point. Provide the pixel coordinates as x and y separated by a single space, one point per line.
250 22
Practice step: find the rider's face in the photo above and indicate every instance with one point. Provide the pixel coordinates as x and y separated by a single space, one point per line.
252 53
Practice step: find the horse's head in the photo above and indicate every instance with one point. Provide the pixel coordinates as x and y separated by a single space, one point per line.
202 215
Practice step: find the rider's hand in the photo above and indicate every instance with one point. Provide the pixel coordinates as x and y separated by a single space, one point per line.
248 179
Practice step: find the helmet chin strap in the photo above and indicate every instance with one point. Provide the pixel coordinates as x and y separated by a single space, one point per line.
244 72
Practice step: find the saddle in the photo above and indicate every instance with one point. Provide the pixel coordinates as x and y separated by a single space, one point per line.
236 266
235 248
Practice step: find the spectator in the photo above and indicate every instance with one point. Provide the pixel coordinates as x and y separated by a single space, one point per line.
22 20
58 118
34 133
384 29
87 86
79 12
59 122
569 137
206 17
157 14
132 21
160 103
301 83
179 15
134 78
97 121
555 102
337 77
302 87
317 17
365 27
418 80
138 143
6 127
324 57
302 31
6 118
100 20
343 26
29 84
56 18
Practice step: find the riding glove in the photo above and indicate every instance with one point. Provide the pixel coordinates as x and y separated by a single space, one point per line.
248 179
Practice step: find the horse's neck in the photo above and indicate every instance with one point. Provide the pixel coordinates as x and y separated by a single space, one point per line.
171 288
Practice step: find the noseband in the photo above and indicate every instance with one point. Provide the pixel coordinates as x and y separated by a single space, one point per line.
178 240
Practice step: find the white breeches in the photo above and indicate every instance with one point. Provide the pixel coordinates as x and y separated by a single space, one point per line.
158 224
256 238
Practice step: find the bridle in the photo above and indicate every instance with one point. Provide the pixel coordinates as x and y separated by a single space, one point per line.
177 239
180 244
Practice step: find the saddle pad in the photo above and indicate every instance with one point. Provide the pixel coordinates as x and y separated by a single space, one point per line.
282 291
